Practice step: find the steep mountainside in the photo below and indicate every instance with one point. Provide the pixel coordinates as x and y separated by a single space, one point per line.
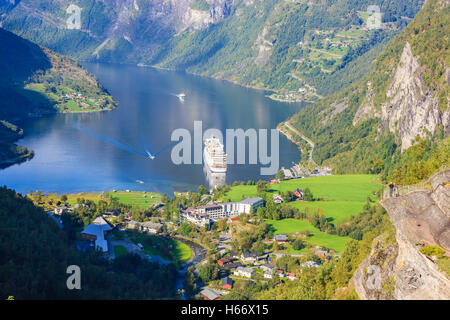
36 81
367 126
298 48
407 269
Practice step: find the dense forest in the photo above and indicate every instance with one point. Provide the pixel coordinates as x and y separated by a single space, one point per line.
35 253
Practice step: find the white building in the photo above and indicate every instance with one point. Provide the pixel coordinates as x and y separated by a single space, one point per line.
96 232
219 211
244 272
151 227
199 219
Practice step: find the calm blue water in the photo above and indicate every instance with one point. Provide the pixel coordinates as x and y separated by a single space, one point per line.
103 151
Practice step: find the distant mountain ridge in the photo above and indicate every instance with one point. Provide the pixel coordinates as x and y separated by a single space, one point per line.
287 46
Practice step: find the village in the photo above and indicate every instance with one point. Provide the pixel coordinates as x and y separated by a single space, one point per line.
225 243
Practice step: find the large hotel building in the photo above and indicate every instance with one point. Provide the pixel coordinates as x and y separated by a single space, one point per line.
213 212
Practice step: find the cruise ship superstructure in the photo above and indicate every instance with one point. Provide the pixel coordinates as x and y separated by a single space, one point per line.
214 155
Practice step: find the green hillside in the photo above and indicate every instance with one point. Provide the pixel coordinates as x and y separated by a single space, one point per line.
35 254
278 45
367 145
35 81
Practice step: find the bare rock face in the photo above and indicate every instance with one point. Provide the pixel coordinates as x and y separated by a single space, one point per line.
400 271
412 109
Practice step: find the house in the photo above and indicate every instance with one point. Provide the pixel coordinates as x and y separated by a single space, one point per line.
244 272
277 198
322 254
267 268
232 265
227 283
249 257
209 294
281 238
224 261
234 255
298 193
310 264
151 227
280 273
134 225
291 276
287 173
268 275
114 212
96 232
60 210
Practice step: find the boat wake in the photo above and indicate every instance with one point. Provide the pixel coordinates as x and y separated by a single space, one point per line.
145 151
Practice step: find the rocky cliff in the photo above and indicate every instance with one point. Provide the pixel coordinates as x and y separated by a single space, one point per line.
412 108
399 270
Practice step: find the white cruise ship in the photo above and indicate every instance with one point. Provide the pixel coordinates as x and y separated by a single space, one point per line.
214 155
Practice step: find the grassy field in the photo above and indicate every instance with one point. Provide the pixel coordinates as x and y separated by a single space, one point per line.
318 238
119 251
136 198
330 188
337 211
72 198
169 249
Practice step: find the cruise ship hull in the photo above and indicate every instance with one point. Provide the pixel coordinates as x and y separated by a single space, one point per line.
211 167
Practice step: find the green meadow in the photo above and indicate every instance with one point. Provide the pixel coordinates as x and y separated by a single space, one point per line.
337 211
342 196
168 249
317 238
329 188
138 199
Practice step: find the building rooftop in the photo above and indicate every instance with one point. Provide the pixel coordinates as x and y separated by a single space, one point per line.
210 294
251 201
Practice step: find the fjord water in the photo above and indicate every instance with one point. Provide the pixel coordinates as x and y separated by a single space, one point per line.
94 151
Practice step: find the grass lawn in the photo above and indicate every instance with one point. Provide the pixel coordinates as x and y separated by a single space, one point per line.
72 198
136 198
338 211
156 246
330 188
318 238
119 251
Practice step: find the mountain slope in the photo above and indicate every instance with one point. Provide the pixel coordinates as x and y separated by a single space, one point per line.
36 81
368 126
36 252
282 45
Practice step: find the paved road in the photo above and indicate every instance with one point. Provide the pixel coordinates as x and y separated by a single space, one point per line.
303 137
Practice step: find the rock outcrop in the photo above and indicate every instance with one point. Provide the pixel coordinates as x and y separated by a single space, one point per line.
412 109
399 270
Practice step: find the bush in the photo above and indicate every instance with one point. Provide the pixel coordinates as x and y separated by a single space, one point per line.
298 244
433 251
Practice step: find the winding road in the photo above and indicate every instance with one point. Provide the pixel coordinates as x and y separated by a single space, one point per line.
287 125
